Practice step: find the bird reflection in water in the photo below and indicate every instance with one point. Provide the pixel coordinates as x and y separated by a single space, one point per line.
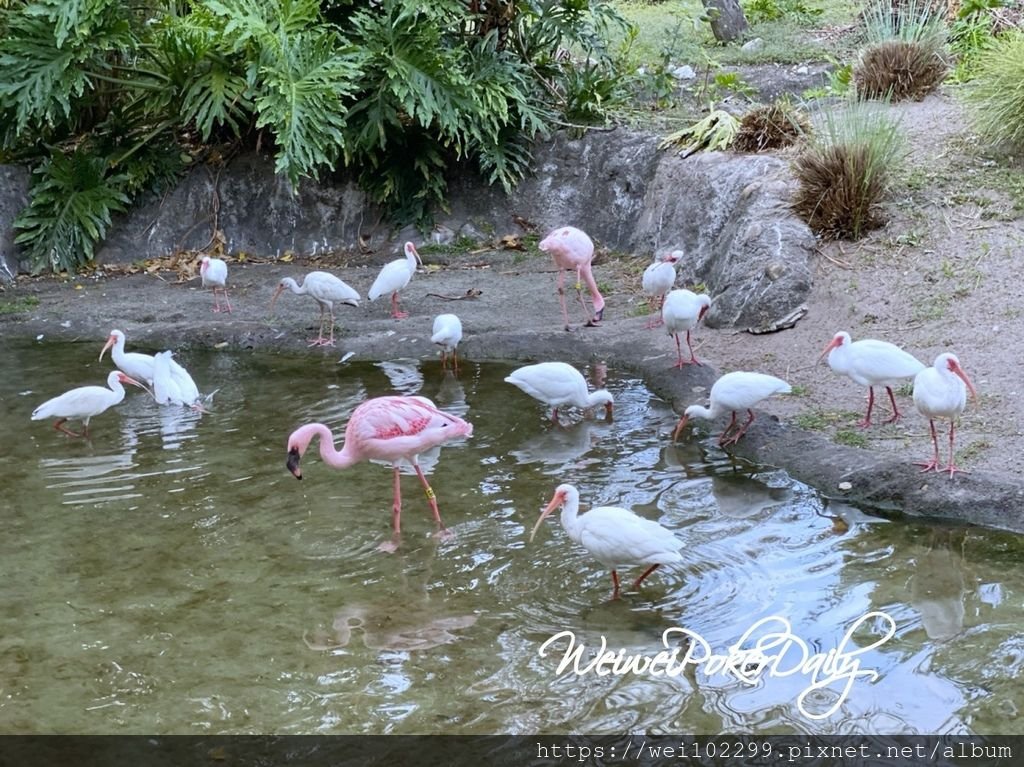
559 447
384 628
739 496
938 587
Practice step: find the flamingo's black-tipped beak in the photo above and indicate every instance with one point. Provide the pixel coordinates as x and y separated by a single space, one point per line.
293 462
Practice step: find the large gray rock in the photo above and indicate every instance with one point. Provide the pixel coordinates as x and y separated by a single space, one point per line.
257 211
729 214
13 197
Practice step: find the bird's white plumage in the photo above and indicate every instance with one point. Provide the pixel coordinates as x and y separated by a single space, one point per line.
870 362
739 390
938 391
85 402
557 384
660 276
447 331
683 310
322 287
138 366
395 275
214 272
165 389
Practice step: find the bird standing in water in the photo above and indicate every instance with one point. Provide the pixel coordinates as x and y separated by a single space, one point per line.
391 429
214 273
734 392
573 250
84 403
393 277
941 392
616 537
557 384
447 334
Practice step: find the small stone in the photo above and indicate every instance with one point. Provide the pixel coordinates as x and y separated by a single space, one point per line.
802 70
775 270
844 486
751 46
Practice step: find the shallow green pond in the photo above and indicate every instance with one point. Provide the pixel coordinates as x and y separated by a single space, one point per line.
171 576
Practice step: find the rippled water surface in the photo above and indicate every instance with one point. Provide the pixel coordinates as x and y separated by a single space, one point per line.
171 576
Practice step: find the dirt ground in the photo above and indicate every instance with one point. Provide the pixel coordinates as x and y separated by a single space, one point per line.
942 275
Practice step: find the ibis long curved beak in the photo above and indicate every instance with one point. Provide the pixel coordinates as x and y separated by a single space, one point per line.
293 462
110 342
127 379
276 294
679 427
835 343
554 504
959 371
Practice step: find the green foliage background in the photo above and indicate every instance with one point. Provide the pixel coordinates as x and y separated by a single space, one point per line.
104 100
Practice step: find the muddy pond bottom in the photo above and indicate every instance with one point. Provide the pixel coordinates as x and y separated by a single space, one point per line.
169 575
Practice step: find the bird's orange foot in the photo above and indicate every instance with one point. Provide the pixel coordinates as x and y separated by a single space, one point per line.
388 547
953 469
928 465
866 424
444 535
681 364
894 419
399 315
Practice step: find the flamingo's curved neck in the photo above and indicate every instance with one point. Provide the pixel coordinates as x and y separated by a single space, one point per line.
338 459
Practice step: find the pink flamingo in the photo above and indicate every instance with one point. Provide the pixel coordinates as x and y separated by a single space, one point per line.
573 249
389 429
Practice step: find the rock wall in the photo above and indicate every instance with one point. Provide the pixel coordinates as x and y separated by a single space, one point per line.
13 197
728 212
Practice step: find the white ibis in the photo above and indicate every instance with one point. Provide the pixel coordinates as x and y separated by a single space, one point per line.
558 384
391 429
871 363
615 537
447 334
140 367
214 274
327 290
941 392
84 402
573 250
658 280
734 392
395 276
681 312
165 389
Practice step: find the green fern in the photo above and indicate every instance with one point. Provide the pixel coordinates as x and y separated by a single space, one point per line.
71 201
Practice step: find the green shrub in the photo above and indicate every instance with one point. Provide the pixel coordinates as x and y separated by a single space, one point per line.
997 94
844 173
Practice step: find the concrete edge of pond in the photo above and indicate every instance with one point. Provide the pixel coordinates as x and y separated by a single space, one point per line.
886 484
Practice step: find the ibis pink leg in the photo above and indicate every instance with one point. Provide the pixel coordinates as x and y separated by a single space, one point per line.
330 341
952 467
395 311
741 431
871 403
933 464
216 300
655 320
648 571
615 580
693 357
59 426
722 441
896 414
319 340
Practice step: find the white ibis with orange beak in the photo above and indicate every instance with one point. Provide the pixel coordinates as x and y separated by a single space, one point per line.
658 280
615 537
214 274
327 290
941 392
871 363
558 384
395 276
681 312
573 250
733 392
141 367
447 333
84 403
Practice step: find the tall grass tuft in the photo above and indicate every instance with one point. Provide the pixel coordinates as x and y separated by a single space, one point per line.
997 94
844 174
906 56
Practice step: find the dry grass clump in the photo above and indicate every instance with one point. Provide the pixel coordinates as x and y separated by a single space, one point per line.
844 173
899 70
774 126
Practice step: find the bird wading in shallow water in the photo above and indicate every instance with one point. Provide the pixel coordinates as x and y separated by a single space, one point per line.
871 363
327 290
141 368
391 429
681 312
395 276
557 384
941 392
84 403
615 537
734 392
657 281
214 273
447 334
573 250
